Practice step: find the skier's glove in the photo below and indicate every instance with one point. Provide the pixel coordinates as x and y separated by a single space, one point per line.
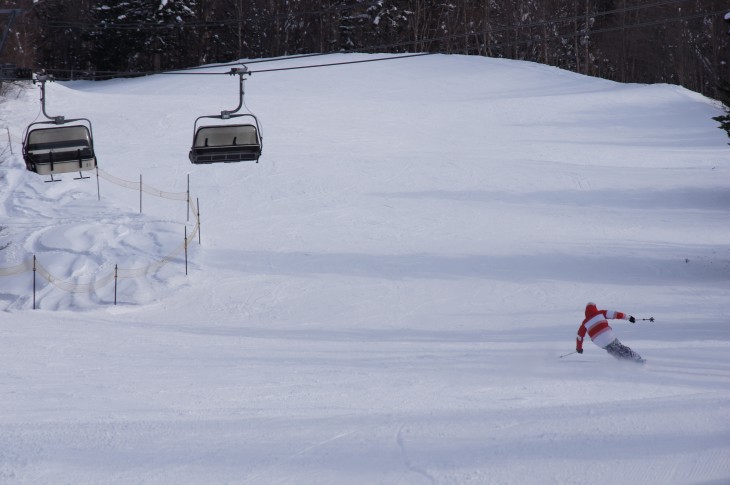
632 320
580 351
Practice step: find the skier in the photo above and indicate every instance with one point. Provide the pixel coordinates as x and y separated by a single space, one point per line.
601 333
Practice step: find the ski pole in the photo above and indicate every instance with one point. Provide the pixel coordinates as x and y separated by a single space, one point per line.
574 352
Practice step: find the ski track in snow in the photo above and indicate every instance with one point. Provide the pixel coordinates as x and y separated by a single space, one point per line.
384 297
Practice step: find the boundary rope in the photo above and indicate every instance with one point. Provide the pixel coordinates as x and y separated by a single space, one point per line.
32 263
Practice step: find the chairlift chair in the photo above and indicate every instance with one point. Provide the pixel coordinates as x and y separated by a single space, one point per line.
66 146
227 142
60 149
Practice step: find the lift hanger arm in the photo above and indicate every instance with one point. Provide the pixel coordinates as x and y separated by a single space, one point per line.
240 71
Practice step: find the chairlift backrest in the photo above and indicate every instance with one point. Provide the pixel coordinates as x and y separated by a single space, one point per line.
62 138
226 135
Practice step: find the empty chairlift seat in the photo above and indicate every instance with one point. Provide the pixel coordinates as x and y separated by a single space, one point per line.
60 149
226 143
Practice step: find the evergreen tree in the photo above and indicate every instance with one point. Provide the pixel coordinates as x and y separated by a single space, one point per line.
139 35
624 40
60 46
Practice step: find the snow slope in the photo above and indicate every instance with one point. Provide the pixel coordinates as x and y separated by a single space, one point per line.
385 296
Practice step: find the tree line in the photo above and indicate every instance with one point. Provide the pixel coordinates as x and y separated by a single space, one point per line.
681 42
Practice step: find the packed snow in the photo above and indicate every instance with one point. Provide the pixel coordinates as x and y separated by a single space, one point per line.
386 296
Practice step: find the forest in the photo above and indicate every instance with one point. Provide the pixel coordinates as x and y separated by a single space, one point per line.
683 42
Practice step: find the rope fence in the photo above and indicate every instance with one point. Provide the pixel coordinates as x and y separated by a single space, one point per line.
32 264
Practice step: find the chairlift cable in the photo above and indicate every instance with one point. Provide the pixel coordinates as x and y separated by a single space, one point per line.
343 63
309 66
448 37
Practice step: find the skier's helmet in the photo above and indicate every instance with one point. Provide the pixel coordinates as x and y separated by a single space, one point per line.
591 309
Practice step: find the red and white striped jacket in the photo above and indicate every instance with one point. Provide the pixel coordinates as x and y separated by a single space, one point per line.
597 327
